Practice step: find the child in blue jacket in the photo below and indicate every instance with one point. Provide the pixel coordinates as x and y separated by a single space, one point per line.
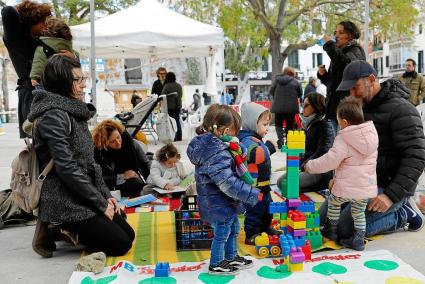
220 186
255 123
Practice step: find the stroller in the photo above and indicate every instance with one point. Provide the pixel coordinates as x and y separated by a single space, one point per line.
142 114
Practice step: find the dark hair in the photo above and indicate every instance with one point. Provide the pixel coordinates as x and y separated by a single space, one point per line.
166 152
317 101
57 76
57 28
33 13
103 131
219 117
350 109
290 71
170 77
350 28
411 60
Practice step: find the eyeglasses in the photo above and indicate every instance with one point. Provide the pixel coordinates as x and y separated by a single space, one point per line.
162 74
80 80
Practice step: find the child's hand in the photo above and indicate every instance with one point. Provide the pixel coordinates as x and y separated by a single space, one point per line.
168 186
34 83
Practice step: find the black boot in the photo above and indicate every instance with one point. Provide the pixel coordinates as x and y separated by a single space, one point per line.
356 242
330 229
42 242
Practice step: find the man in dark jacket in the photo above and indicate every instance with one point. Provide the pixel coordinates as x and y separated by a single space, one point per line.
341 53
311 86
21 24
174 93
286 92
158 85
401 152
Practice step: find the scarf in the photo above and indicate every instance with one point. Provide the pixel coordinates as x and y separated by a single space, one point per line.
307 120
239 155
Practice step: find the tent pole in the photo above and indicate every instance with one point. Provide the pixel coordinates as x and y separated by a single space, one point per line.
92 55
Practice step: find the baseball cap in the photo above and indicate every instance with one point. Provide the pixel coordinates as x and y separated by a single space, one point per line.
352 72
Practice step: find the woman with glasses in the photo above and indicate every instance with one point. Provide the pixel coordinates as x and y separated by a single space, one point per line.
74 196
342 49
159 84
319 139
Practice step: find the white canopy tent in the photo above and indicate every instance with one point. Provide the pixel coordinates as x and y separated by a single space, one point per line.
148 29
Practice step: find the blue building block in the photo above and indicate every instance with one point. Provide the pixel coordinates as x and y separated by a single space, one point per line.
299 241
293 163
278 207
162 269
306 207
286 243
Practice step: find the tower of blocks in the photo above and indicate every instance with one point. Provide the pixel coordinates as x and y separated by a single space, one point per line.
298 220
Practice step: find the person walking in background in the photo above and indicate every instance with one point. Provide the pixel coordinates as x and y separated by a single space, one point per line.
158 85
286 92
311 86
196 101
174 102
225 98
413 81
342 51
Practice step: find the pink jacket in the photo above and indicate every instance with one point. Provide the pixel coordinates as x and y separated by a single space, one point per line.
353 157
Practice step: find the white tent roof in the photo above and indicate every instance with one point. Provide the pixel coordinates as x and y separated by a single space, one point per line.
148 29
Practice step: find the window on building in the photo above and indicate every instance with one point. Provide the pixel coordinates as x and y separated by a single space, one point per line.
265 64
317 59
421 61
395 57
293 60
387 61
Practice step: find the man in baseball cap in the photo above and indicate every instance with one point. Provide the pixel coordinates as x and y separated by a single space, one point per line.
401 152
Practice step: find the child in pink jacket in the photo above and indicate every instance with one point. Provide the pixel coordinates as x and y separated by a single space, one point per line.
353 157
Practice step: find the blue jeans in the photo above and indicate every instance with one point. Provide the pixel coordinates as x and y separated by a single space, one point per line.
224 244
257 218
376 222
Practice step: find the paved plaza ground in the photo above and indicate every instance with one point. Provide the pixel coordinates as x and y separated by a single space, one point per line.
19 264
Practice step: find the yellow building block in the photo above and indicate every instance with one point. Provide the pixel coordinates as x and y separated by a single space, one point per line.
283 223
286 259
262 240
293 267
296 145
297 225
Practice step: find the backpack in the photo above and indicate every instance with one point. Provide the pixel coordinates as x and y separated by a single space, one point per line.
26 179
10 213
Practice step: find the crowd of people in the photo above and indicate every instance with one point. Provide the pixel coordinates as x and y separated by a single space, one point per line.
364 142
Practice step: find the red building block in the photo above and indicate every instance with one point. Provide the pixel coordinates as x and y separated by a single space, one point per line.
274 240
296 215
307 250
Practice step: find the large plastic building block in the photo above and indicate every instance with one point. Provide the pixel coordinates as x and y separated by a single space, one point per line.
283 223
162 269
296 216
306 207
296 225
278 207
283 216
293 202
307 250
310 221
296 233
315 239
286 243
293 163
262 240
274 240
299 241
296 255
294 267
296 140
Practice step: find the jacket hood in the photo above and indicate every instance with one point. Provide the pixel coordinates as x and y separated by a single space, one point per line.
203 147
45 101
248 133
362 137
250 113
284 79
57 43
394 88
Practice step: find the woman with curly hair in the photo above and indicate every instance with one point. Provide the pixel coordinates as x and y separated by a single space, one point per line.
124 164
21 25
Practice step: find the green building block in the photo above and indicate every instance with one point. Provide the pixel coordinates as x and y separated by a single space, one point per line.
309 221
315 239
291 186
283 216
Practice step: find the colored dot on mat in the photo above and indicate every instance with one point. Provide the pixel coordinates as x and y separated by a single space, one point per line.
402 280
104 280
215 279
271 273
383 265
158 280
328 268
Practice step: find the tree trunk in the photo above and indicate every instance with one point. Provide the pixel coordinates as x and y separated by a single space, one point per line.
277 58
4 87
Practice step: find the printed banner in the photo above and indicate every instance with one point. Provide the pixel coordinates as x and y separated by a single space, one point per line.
348 267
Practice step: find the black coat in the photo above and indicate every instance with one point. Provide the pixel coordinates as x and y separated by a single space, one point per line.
285 91
319 138
174 103
130 153
401 152
157 87
309 89
74 190
340 58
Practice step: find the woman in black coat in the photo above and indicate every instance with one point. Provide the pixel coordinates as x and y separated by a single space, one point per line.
319 139
73 195
174 102
125 166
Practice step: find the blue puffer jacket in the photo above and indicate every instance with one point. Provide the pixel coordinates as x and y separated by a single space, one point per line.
220 191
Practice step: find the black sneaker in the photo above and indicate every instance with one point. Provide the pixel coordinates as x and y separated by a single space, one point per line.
415 219
241 262
223 268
